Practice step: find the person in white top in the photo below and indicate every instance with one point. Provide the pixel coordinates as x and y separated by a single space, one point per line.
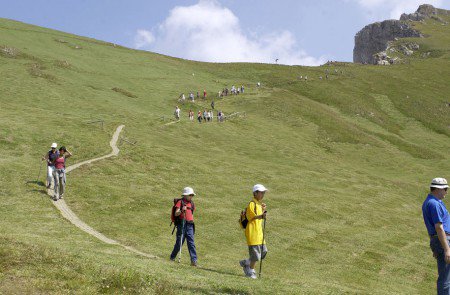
177 113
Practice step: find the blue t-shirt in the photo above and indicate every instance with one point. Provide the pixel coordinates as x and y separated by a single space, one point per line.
434 211
52 157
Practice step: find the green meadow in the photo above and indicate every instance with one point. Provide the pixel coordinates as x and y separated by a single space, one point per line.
347 160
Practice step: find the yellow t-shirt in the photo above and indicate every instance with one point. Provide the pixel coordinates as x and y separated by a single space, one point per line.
254 229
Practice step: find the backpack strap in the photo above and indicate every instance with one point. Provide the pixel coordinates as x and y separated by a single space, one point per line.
255 208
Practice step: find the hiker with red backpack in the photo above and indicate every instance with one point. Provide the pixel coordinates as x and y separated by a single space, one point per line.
183 218
253 219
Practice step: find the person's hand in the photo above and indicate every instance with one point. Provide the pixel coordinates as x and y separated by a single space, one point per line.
447 256
184 209
264 206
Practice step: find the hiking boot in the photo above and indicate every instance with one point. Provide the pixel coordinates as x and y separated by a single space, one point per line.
194 263
55 198
252 274
61 196
245 267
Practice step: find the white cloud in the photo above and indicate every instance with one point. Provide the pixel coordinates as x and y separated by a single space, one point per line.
384 9
210 32
143 38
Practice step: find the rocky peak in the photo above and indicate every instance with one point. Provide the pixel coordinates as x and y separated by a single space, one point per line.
425 11
374 38
372 42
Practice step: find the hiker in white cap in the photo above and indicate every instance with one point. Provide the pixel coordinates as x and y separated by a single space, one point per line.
184 211
50 157
255 213
437 221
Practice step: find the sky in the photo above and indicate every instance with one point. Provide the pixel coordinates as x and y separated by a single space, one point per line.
294 32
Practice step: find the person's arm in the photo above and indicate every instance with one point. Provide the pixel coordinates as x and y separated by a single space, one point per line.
443 239
45 157
69 154
251 214
178 211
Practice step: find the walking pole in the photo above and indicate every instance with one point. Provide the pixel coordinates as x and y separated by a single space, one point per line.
181 240
262 247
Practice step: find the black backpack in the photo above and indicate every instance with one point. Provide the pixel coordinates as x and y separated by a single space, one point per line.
243 221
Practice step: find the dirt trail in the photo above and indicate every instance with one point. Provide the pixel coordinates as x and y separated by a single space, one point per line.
69 215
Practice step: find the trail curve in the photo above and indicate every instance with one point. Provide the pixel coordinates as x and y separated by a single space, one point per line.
73 218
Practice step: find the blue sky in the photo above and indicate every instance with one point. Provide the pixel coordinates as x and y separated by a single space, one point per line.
294 31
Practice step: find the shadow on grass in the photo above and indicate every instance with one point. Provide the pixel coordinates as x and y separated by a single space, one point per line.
219 271
39 183
222 290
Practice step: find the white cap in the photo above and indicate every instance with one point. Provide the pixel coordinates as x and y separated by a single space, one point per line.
439 183
259 188
188 191
54 145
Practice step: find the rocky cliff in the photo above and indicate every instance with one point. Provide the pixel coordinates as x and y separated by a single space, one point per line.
374 38
372 41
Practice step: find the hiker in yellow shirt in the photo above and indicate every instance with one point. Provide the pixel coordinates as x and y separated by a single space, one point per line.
255 213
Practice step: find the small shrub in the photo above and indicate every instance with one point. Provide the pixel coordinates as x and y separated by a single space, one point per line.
10 52
60 41
63 64
36 70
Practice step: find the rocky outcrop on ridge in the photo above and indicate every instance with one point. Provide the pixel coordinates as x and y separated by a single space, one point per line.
374 38
375 41
424 12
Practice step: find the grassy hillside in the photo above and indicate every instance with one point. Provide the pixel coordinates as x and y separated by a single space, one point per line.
347 161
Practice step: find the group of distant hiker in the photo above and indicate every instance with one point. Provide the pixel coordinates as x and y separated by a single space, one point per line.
56 169
182 97
234 90
224 92
208 115
205 116
252 219
327 75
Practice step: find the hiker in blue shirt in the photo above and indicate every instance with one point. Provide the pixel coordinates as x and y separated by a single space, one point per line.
437 222
50 157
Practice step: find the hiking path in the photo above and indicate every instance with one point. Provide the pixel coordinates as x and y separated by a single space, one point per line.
73 218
